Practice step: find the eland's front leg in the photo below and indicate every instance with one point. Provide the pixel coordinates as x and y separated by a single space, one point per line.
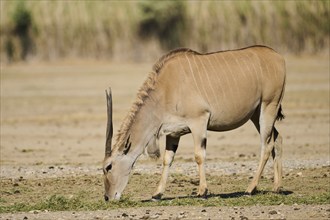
171 147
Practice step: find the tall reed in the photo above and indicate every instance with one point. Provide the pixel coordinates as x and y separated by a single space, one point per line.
141 30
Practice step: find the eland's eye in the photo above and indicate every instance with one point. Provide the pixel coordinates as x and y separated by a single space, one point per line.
108 168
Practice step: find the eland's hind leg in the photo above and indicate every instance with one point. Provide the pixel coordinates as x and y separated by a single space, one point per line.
171 147
264 122
277 156
199 131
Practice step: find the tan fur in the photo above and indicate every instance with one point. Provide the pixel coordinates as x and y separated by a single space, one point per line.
190 92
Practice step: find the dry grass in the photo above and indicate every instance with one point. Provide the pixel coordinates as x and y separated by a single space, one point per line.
110 29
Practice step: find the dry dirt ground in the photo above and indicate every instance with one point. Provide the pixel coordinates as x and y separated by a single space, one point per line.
53 124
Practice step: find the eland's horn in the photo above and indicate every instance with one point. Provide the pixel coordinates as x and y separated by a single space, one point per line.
109 123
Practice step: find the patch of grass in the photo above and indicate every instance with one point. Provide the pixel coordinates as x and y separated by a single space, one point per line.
62 203
85 192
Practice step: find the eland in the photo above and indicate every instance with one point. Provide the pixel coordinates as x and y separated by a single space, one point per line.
189 92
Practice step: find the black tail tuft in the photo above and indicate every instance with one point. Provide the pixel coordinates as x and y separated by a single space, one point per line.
280 116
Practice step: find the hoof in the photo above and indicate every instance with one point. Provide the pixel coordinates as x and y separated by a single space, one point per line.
251 192
156 197
277 189
203 195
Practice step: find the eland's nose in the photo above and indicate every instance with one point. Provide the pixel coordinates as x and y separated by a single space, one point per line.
106 198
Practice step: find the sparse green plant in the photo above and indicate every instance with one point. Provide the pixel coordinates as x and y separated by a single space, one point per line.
22 23
226 191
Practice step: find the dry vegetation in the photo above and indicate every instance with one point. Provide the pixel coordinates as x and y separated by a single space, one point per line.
138 30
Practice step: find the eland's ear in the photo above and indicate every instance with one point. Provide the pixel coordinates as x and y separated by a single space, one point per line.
107 165
109 132
128 145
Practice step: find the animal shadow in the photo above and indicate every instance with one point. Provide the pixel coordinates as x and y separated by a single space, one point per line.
241 194
223 195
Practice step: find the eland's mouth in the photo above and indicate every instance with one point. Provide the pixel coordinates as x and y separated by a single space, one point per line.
117 196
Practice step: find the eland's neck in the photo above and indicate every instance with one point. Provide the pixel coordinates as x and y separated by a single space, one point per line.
145 127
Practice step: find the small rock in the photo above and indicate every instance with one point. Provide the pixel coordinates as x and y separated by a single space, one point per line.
296 208
299 174
25 217
204 210
243 217
15 184
51 167
273 212
17 192
124 215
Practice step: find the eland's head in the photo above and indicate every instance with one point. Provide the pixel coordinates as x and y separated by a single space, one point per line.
116 165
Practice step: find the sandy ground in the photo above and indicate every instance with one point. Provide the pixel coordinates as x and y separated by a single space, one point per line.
53 114
175 213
